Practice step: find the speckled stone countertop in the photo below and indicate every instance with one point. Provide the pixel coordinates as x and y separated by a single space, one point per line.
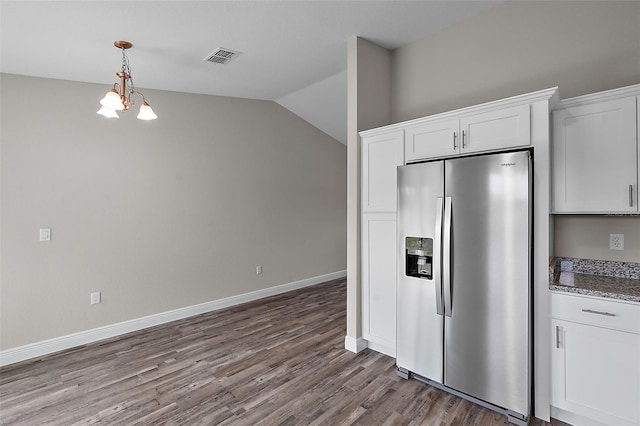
612 280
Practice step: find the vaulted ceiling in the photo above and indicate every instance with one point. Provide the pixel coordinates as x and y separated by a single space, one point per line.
293 52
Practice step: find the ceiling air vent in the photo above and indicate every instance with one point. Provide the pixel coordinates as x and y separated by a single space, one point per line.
221 56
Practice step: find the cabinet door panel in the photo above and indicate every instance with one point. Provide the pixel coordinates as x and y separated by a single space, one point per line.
381 155
501 129
596 372
432 140
379 279
595 158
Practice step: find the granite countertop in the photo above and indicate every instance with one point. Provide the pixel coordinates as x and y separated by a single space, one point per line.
612 280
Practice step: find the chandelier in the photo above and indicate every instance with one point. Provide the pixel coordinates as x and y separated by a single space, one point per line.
119 97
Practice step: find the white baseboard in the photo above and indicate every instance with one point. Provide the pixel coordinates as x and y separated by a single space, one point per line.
46 347
382 348
354 345
572 419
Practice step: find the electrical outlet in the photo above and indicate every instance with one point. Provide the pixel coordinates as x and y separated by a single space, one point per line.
95 297
258 269
616 241
45 234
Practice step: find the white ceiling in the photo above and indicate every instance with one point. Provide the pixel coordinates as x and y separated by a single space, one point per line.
294 52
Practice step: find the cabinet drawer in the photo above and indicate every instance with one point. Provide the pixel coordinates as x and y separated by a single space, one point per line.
601 313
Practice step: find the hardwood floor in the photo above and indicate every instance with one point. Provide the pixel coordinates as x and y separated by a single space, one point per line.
277 361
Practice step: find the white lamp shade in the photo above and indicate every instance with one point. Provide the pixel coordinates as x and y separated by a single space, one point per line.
146 113
109 113
112 101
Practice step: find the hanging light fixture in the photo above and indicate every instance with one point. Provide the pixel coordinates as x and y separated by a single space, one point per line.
119 97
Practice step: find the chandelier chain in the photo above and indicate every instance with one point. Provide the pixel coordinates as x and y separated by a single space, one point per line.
126 69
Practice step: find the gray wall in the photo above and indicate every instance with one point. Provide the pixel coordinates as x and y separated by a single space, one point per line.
156 215
517 47
587 237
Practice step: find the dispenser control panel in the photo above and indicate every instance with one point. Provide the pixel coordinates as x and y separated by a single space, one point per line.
419 257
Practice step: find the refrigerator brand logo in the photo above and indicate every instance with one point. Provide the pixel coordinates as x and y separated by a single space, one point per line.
508 164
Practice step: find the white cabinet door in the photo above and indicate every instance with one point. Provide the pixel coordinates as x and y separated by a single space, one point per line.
379 281
430 140
494 130
381 155
595 162
596 372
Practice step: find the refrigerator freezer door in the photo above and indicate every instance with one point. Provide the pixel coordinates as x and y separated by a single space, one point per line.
488 334
420 344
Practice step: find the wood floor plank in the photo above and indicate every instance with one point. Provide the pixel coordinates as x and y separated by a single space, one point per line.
277 361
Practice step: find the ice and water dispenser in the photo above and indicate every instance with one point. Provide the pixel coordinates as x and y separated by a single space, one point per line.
419 257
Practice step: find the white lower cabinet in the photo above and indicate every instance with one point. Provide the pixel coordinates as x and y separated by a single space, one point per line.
379 281
595 362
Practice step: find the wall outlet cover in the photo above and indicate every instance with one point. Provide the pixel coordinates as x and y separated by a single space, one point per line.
616 241
45 234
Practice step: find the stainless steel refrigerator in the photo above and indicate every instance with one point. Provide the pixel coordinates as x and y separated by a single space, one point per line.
464 278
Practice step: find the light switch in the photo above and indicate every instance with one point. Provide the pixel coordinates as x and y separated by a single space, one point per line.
45 234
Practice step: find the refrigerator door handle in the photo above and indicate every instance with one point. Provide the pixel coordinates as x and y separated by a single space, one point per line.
437 257
446 256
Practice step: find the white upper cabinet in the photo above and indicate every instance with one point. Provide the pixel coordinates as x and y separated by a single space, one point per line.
595 155
471 132
501 129
434 139
381 156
